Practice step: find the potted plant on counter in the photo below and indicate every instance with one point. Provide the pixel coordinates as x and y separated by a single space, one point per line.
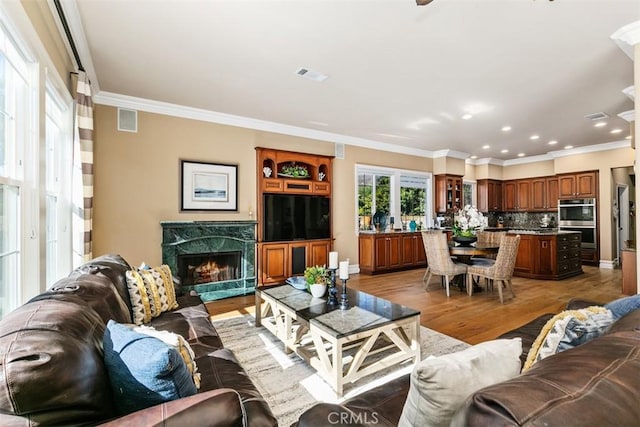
317 278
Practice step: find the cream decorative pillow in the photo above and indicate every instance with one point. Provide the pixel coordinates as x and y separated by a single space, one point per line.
151 292
440 385
140 303
568 329
179 343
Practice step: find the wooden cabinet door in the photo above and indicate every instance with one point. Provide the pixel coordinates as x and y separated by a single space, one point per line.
510 193
381 253
319 252
552 194
408 251
495 196
523 195
420 257
366 253
586 184
524 259
566 186
538 194
441 194
545 255
275 263
394 254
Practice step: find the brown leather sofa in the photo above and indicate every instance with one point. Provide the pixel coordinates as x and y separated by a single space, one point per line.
595 384
52 362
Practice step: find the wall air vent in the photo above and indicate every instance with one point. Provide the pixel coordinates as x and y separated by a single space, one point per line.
596 116
311 75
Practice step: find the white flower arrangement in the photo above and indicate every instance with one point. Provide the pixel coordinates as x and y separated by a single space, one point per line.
467 221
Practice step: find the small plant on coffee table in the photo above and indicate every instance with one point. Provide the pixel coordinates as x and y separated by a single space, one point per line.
317 274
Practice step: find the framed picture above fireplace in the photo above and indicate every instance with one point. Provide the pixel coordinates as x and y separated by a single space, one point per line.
208 186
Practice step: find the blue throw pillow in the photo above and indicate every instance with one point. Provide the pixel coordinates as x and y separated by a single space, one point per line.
623 306
143 370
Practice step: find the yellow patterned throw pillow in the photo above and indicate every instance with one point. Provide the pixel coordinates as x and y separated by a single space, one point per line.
151 292
566 330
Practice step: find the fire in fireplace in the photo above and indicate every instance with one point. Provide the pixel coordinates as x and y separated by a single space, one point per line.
196 269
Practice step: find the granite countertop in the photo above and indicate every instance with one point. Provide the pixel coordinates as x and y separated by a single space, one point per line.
389 232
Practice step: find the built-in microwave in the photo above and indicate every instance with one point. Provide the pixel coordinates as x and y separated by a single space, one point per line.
577 213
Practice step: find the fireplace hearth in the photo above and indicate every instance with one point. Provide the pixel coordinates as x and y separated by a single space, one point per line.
214 258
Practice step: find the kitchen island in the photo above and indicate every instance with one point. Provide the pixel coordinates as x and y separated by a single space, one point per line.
548 254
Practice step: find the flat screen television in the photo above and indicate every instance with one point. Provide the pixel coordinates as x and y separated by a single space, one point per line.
295 217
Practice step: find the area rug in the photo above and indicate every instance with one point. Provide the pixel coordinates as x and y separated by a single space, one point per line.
289 385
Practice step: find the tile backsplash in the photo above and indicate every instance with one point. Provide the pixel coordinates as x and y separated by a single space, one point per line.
522 219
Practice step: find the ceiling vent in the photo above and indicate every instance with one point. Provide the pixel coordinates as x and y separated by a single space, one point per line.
596 116
312 75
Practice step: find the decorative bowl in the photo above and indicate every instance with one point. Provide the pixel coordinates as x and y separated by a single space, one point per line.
464 240
297 282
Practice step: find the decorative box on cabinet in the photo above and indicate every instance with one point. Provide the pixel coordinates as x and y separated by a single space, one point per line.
383 252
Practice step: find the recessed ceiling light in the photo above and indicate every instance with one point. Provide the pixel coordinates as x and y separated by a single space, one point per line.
474 157
600 124
627 137
553 142
534 137
506 128
504 150
520 154
486 147
566 147
467 116
617 130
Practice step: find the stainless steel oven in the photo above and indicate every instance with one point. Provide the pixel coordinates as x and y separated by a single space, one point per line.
579 215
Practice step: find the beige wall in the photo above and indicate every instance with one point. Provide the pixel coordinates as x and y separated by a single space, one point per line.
137 178
529 170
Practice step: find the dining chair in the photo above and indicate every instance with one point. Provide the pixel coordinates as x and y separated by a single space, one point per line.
438 259
499 272
489 238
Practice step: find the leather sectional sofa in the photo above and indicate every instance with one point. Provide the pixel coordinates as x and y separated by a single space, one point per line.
594 384
52 362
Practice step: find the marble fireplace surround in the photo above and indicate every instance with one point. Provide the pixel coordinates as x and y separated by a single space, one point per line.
209 237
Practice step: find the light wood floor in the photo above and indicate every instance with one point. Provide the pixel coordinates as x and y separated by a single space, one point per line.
472 319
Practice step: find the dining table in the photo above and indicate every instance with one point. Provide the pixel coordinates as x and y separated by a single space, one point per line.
464 254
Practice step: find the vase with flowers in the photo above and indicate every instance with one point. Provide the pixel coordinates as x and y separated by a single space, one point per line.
466 222
317 277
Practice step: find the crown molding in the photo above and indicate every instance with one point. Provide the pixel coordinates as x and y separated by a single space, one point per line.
592 148
450 153
524 160
165 108
485 161
626 37
629 116
630 92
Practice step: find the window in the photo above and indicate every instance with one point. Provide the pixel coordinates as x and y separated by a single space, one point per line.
401 196
16 118
469 193
57 184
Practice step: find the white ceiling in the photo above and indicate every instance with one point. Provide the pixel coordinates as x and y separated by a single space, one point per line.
398 73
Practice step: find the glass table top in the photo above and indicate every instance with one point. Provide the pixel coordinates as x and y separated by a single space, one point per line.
366 311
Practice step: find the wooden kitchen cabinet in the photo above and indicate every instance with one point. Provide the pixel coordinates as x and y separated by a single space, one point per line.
544 194
280 261
448 192
548 256
382 252
578 185
489 195
517 195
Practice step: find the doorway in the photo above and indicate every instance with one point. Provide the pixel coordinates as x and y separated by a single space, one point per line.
621 212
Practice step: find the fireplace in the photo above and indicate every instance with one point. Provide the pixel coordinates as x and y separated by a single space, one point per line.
216 259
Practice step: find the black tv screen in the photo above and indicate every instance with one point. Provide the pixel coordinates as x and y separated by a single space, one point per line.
295 217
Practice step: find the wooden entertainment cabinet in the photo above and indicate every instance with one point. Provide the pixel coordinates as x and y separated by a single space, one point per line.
278 260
